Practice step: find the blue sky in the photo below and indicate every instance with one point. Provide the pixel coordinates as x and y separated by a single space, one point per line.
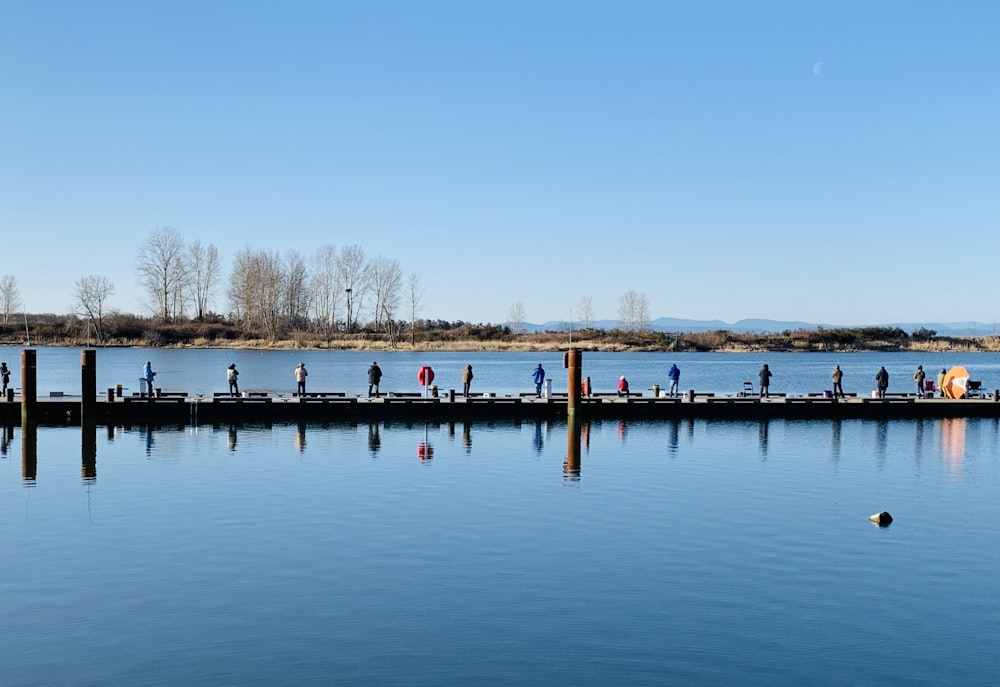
827 162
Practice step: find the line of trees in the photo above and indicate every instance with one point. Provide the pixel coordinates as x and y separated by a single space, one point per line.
334 290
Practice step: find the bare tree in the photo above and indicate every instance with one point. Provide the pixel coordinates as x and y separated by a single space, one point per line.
203 273
10 296
161 264
256 291
516 317
324 286
585 311
92 293
416 293
633 311
295 291
353 271
386 279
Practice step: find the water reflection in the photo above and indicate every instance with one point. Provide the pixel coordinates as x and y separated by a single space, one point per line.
673 436
881 442
571 466
467 436
6 439
539 440
918 440
374 438
425 451
953 442
231 439
835 429
147 435
300 437
29 453
88 468
762 435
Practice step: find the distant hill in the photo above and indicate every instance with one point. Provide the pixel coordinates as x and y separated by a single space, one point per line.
763 326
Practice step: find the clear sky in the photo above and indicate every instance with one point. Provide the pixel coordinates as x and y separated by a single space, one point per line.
834 162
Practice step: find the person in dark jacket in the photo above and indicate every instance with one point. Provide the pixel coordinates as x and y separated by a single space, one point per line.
882 381
466 380
374 377
765 381
918 378
232 376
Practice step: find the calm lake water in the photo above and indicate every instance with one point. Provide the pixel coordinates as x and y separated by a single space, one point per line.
674 553
204 371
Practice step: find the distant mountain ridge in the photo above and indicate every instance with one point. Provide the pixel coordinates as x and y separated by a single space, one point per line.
764 326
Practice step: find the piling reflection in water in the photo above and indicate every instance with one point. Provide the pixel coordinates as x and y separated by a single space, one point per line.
88 452
571 466
29 453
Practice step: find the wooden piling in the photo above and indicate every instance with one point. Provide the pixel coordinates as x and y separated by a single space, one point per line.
574 366
29 385
88 387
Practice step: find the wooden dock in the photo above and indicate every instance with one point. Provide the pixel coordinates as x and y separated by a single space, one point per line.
181 409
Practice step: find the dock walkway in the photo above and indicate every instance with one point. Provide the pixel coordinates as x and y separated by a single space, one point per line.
180 408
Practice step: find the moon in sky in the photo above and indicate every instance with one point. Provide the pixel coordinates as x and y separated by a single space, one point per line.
817 68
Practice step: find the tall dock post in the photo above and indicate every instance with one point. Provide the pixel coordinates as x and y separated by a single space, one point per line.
88 387
574 365
29 385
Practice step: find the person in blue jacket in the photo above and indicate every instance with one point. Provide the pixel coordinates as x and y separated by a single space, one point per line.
539 377
765 381
147 377
674 375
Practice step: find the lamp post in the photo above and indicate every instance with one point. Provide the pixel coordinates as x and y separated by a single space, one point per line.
348 292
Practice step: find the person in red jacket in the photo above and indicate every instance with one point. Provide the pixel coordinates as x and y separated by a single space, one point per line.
623 387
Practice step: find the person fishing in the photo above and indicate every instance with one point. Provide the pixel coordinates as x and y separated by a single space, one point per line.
918 378
623 386
232 376
882 381
4 377
674 375
300 379
374 377
466 380
538 376
147 377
